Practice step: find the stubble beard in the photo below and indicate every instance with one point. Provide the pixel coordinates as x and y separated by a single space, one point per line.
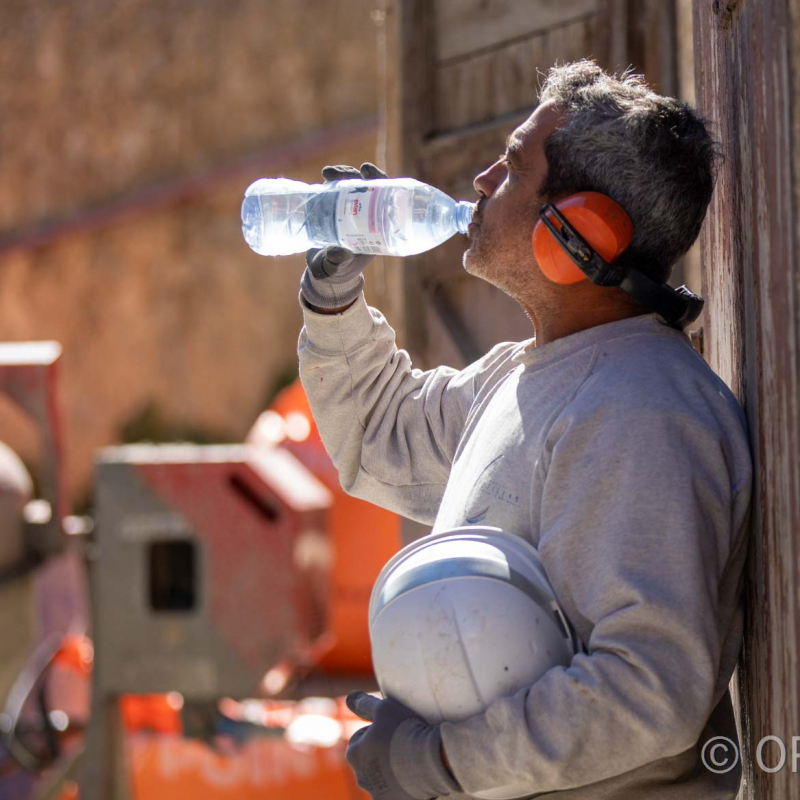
503 269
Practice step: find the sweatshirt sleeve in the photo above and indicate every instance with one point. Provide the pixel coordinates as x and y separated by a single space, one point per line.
640 511
390 430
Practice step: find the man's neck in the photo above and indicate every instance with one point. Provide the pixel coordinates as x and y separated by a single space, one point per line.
557 323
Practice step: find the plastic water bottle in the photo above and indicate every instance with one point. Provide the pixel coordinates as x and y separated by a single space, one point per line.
392 216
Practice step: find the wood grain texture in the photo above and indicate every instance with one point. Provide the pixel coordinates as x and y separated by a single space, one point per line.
452 161
466 26
506 79
745 85
652 44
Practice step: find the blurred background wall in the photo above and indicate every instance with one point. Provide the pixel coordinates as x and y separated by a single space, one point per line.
128 133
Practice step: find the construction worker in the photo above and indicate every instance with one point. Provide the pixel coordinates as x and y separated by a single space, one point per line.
606 441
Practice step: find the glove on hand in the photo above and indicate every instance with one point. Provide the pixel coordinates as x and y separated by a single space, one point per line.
398 757
333 278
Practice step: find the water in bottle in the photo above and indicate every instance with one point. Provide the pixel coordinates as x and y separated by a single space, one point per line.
391 216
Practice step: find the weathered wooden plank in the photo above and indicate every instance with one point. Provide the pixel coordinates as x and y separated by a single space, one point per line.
407 80
483 88
745 85
451 161
519 74
464 93
611 34
652 44
466 26
565 43
684 51
501 81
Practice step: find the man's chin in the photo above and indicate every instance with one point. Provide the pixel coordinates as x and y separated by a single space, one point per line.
475 262
472 257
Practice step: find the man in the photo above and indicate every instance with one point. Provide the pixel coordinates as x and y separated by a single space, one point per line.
607 442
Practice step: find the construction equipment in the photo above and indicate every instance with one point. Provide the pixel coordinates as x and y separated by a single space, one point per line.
32 533
226 572
216 572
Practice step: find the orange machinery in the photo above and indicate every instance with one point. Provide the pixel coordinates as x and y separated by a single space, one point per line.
278 590
220 573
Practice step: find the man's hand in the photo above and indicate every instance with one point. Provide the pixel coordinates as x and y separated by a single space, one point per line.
332 280
398 757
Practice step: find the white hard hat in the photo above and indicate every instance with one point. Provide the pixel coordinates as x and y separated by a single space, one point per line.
461 618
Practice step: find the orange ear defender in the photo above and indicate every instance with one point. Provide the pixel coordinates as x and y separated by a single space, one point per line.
588 218
580 238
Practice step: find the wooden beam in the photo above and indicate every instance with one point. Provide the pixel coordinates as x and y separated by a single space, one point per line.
452 160
466 26
746 72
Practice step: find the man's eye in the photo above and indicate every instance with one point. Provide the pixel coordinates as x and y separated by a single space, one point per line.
503 159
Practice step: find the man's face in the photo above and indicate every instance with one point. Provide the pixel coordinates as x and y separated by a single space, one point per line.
500 243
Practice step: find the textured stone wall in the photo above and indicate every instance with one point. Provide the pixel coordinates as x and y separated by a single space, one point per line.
169 322
98 97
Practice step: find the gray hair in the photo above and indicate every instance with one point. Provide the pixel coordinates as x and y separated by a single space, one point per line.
653 155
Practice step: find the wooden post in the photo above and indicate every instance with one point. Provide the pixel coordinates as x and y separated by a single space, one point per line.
747 74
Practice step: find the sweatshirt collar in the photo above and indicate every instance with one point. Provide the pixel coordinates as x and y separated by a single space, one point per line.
530 355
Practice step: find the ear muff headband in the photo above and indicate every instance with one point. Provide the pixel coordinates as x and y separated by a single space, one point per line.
601 222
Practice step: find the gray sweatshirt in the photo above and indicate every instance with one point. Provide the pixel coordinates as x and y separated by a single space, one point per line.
624 459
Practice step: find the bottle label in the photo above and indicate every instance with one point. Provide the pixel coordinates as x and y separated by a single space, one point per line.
357 219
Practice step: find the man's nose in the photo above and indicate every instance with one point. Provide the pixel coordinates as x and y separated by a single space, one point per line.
488 180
